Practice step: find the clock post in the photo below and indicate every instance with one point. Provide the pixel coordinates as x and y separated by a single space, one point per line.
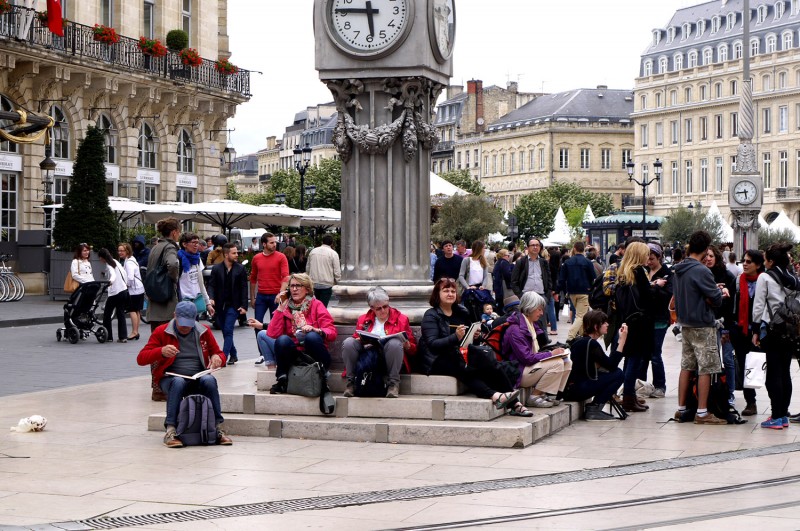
385 62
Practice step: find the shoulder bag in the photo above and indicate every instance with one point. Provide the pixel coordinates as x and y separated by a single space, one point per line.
70 284
157 284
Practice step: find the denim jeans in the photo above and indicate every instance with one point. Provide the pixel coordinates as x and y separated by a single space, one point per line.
656 361
264 302
601 389
286 352
729 363
266 347
227 320
551 314
176 388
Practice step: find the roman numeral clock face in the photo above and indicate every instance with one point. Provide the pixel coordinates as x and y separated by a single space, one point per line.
367 28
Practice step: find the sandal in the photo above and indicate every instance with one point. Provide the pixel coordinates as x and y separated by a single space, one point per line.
505 399
518 410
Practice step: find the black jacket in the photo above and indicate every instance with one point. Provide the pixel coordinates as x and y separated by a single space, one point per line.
216 286
635 305
438 339
519 276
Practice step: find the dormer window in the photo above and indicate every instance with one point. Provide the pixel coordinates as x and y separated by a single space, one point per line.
715 22
656 37
663 64
701 28
761 14
730 21
686 31
779 9
648 68
670 34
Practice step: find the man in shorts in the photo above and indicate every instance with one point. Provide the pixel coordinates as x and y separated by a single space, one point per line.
696 295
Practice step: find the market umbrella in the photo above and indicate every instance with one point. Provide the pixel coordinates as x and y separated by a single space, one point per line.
227 214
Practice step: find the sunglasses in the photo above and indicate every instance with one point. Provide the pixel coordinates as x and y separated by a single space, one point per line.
747 262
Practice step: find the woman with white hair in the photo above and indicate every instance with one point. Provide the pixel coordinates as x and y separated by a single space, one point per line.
545 372
381 320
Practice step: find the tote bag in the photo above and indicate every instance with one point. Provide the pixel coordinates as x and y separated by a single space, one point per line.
755 370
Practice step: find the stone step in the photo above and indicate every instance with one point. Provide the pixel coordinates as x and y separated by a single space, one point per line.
410 384
437 407
503 432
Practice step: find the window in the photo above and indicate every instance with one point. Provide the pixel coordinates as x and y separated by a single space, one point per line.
783 119
563 158
605 159
715 21
703 128
722 53
703 92
753 47
186 152
110 134
717 126
662 65
60 133
643 102
766 119
688 128
689 177
626 157
494 164
734 87
60 188
733 163
675 178
107 12
717 90
458 160
659 103
783 169
466 158
656 37
778 10
648 68
788 40
718 174
730 21
149 19
673 97
644 134
541 158
8 207
150 194
762 14
766 83
737 50
659 134
476 158
686 31
767 172
704 175
585 162
521 161
670 35
531 161
687 95
674 133
734 124
781 80
186 17
486 165
503 163
184 195
678 61
691 59
771 43
147 147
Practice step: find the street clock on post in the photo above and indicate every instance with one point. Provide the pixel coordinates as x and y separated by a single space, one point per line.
442 28
745 192
368 28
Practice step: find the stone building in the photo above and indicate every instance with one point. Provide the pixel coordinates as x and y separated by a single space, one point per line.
269 159
244 173
164 122
687 104
582 136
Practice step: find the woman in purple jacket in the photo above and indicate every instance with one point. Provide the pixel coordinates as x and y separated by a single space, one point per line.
544 372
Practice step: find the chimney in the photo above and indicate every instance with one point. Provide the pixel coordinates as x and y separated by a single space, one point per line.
454 90
480 121
513 87
270 142
471 84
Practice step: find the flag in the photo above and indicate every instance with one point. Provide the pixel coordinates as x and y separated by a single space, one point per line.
54 21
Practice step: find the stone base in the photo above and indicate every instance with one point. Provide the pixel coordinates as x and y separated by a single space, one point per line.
35 283
411 298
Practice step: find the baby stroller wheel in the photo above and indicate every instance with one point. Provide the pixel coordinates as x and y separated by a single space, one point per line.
73 335
101 334
58 335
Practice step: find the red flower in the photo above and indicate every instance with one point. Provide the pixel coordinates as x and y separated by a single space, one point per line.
105 34
189 56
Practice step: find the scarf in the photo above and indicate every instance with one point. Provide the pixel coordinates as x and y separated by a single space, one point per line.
299 311
532 330
744 301
188 259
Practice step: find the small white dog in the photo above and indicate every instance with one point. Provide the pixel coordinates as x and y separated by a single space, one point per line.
32 423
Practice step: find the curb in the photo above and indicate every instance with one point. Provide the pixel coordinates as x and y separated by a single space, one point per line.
32 321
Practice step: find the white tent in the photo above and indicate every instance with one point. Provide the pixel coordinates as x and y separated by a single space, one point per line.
782 222
763 222
441 187
561 233
588 215
325 217
727 230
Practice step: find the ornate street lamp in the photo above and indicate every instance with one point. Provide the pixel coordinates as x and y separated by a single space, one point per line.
48 167
280 199
513 228
302 159
311 191
657 167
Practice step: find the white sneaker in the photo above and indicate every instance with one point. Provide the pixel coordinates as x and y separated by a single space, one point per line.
538 401
260 360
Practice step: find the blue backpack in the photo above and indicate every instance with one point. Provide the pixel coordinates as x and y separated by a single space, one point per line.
197 424
369 374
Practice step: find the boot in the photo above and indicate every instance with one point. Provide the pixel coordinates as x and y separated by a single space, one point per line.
631 405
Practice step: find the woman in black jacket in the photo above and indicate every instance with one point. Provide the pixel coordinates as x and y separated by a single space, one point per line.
443 329
662 291
501 276
724 278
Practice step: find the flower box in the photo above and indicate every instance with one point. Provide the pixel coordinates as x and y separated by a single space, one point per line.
152 47
223 66
190 57
105 34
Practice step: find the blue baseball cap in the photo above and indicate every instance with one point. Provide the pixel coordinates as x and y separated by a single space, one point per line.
185 313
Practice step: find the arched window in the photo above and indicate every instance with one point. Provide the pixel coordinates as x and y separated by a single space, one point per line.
678 61
185 152
779 9
691 59
730 21
766 82
781 80
686 31
788 40
722 53
59 141
715 23
737 50
110 133
648 68
753 47
708 56
670 34
147 147
663 64
762 14
5 145
771 43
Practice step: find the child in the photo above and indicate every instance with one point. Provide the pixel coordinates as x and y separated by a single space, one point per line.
488 314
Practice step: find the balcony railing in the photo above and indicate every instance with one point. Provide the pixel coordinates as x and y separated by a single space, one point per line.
442 147
788 195
628 201
78 41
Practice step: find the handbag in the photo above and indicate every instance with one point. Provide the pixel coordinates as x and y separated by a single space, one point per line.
755 370
70 284
481 357
304 377
157 283
199 303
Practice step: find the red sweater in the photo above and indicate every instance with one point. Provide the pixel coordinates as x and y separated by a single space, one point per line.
269 272
396 323
165 335
317 316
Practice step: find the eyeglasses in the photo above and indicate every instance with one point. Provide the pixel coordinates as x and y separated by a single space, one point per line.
296 286
747 262
380 308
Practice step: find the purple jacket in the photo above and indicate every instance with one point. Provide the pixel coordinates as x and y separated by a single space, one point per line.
517 344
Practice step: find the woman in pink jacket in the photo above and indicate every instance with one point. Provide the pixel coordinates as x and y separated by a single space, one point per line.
300 322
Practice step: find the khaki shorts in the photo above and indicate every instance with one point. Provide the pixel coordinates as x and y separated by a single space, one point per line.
700 352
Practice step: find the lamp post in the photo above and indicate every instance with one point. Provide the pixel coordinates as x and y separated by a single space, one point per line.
311 191
657 167
280 199
513 228
302 158
48 167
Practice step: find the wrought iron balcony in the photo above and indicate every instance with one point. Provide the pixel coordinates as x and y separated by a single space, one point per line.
443 147
628 201
78 41
788 195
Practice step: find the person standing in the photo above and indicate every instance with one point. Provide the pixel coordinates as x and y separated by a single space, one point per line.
135 287
117 296
575 279
746 326
269 274
696 296
502 276
81 266
324 269
532 273
228 289
732 266
448 265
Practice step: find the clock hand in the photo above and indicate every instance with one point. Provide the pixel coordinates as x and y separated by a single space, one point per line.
370 20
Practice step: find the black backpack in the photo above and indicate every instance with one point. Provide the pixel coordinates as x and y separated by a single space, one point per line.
197 423
784 322
369 374
717 401
158 285
598 300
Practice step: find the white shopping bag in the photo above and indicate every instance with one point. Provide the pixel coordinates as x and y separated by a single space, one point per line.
755 370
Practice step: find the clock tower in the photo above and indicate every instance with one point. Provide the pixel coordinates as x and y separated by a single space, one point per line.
385 62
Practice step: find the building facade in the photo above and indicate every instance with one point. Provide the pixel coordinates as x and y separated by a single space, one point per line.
687 104
164 122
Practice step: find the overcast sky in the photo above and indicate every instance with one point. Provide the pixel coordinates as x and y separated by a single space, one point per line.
545 45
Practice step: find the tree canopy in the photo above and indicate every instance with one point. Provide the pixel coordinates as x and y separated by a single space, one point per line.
767 237
86 216
682 222
463 179
536 211
467 217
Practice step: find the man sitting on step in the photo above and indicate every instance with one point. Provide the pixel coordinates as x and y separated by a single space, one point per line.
184 346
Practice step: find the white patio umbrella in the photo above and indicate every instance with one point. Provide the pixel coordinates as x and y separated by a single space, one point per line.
321 217
123 208
441 187
227 214
165 209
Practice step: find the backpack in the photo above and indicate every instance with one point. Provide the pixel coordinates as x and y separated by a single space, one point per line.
717 402
369 374
197 423
157 284
598 300
494 337
785 320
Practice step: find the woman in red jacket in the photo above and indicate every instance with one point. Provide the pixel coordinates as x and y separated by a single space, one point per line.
381 320
300 322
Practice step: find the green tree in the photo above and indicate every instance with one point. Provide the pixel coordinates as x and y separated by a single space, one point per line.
682 222
467 217
86 216
536 211
326 176
767 237
463 179
231 192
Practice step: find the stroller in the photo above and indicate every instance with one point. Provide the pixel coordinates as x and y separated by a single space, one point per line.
474 299
80 320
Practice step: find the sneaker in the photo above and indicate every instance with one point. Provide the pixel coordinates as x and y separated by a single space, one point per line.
593 413
552 398
750 410
794 418
231 361
349 390
171 440
279 387
260 360
537 401
709 418
222 437
785 421
393 391
658 393
773 424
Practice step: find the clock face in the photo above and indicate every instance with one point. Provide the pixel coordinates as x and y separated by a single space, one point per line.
442 27
745 192
367 28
